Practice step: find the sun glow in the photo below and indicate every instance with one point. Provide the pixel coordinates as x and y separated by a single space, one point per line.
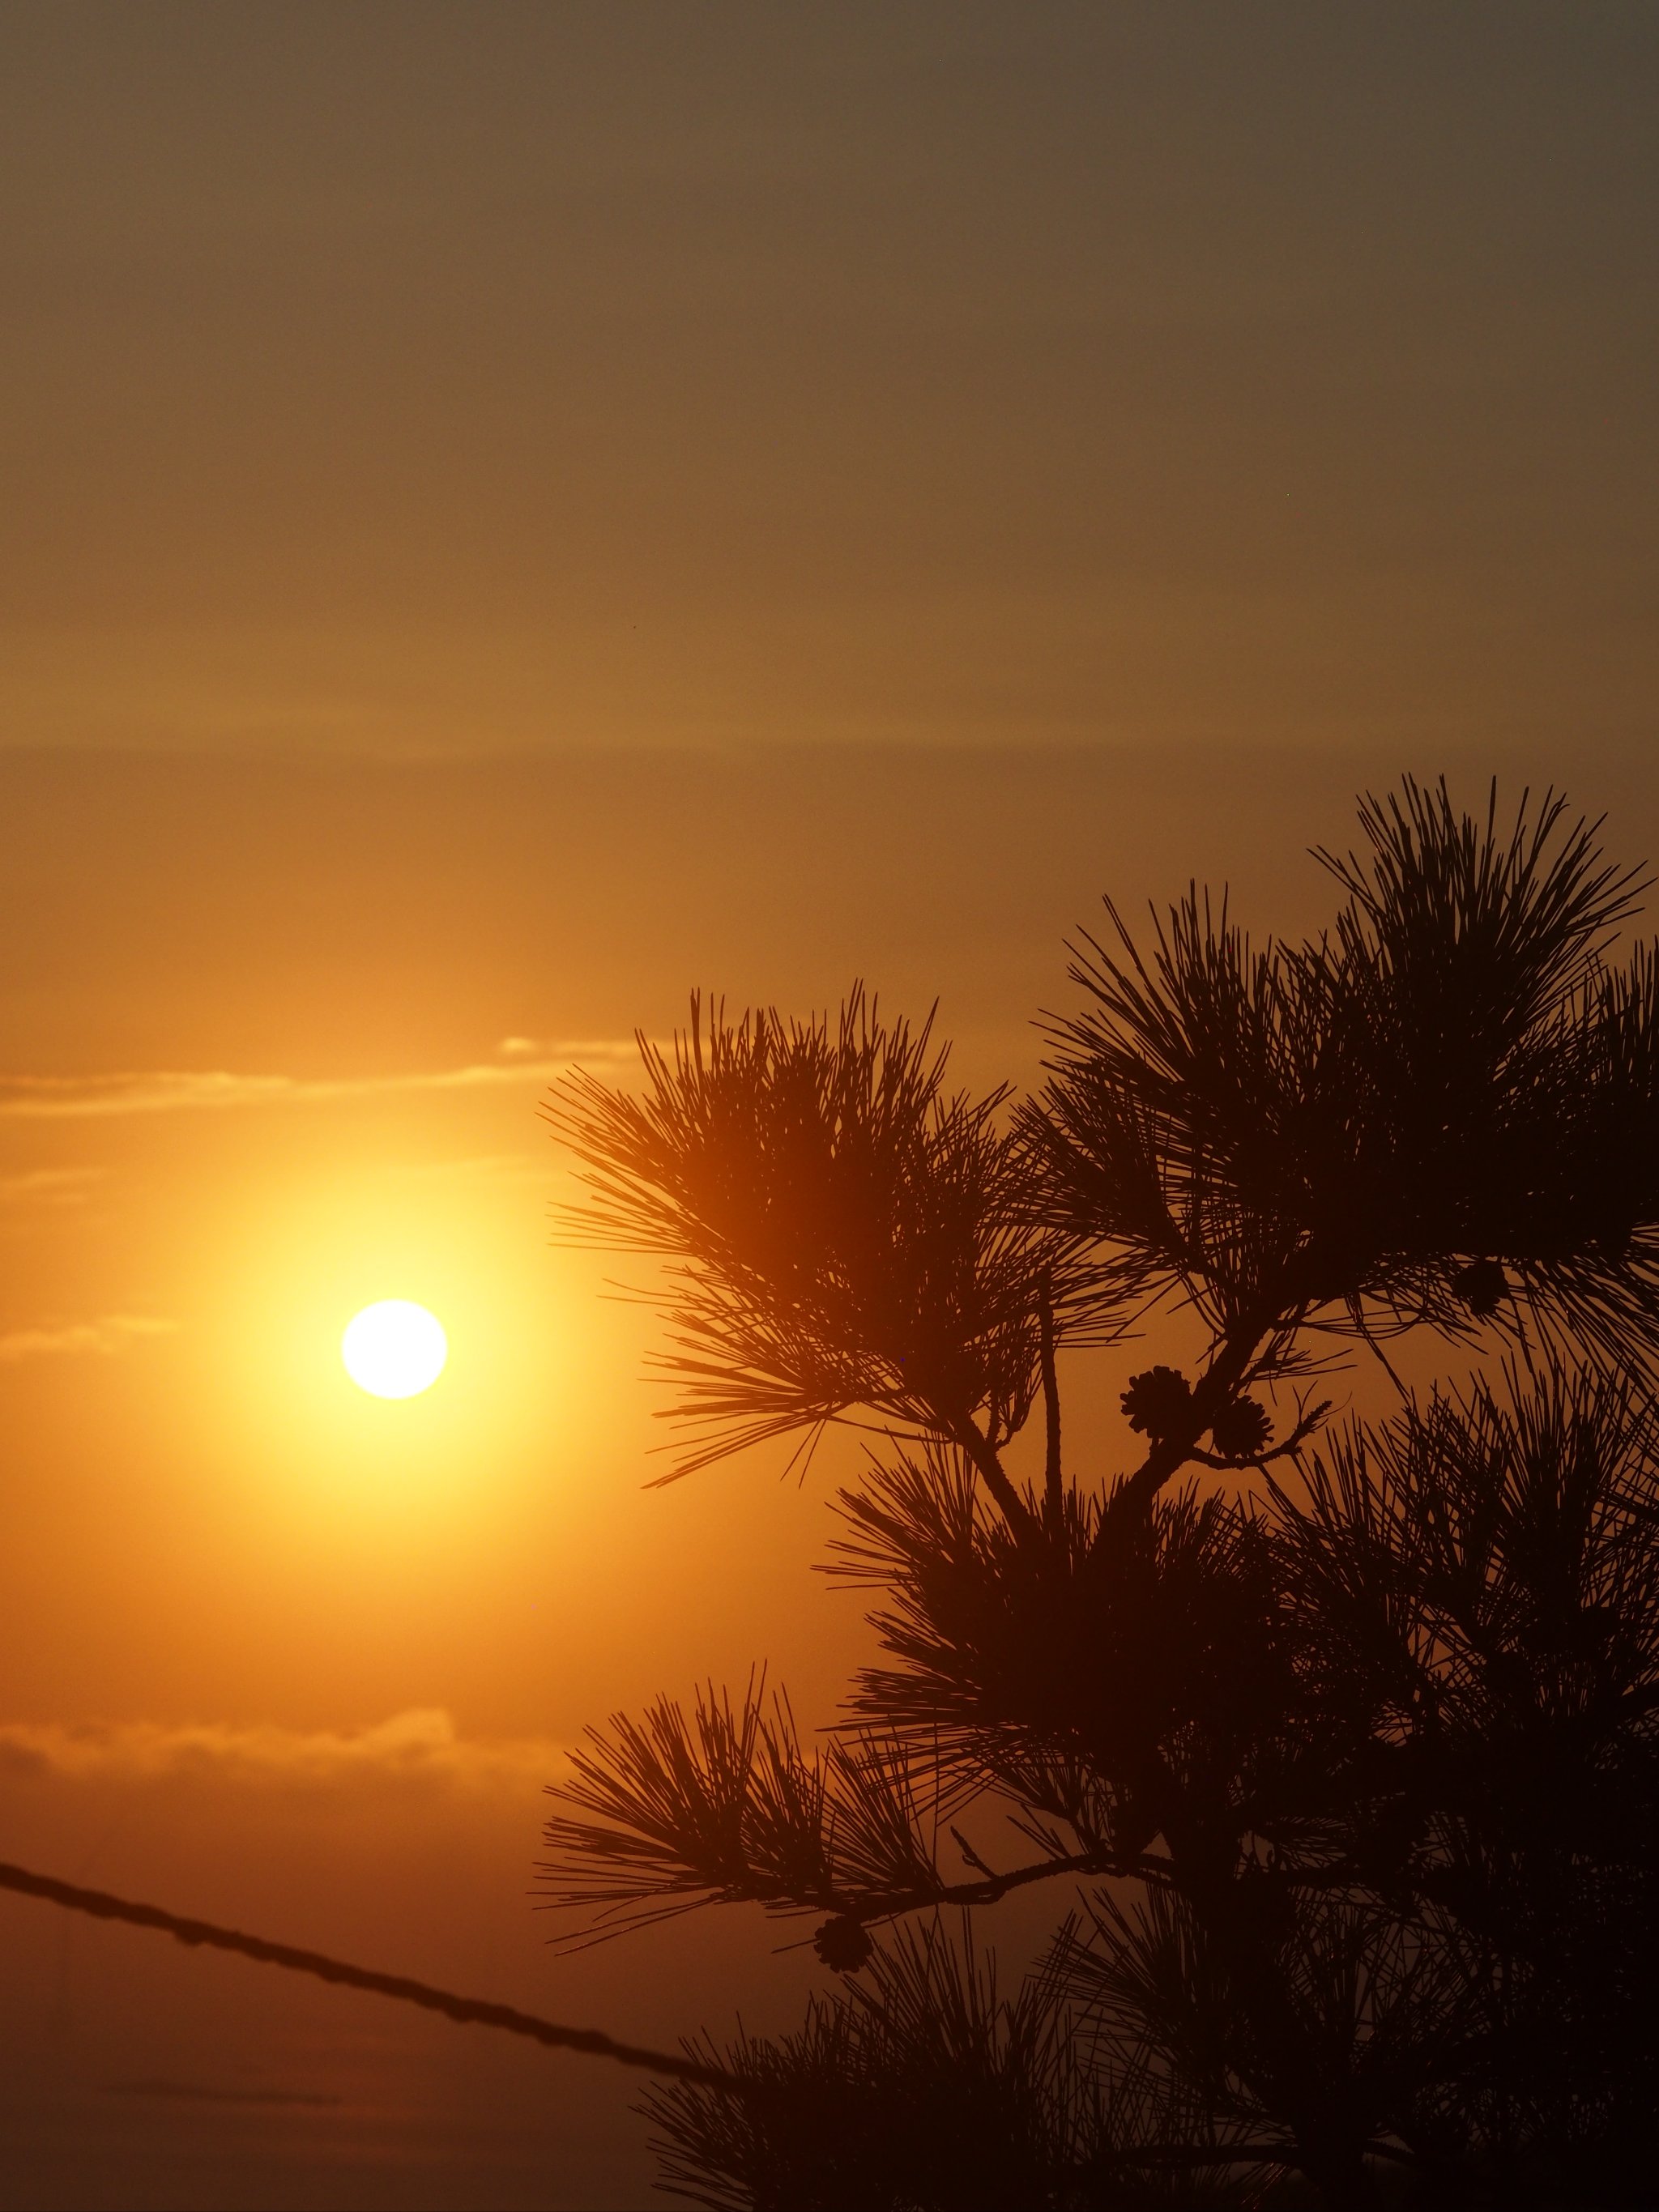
394 1349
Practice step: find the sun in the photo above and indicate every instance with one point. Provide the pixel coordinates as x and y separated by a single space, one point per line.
395 1349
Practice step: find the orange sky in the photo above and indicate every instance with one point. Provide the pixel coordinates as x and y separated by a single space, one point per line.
512 512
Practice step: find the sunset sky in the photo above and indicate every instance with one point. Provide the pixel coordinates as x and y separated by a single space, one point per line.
512 512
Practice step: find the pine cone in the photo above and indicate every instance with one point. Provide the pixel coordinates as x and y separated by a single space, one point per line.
1157 1400
1482 1285
1240 1430
842 1945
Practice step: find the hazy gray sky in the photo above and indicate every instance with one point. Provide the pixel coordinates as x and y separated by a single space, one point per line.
469 376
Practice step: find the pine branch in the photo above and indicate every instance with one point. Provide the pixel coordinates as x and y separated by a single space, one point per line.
991 1888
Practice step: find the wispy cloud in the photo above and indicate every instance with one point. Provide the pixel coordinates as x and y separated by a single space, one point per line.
420 1749
167 1090
110 1333
49 1186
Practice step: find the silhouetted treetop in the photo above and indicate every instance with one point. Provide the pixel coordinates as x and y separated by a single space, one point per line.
1443 1112
1342 1739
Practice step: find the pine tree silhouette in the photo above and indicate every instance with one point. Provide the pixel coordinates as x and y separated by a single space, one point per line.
1343 1769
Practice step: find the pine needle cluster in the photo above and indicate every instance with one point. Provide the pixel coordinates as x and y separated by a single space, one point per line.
1336 1743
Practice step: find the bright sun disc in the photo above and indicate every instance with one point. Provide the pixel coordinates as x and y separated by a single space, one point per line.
395 1349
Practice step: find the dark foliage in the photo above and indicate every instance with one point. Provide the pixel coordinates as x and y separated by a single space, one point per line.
1350 1763
838 1228
1439 1114
922 2086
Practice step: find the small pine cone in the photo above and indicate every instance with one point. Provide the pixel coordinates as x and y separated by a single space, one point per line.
1157 1400
1482 1285
1240 1430
842 1945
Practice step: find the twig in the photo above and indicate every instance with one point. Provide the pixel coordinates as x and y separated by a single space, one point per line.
987 1461
1052 1494
887 1905
1292 1444
972 1857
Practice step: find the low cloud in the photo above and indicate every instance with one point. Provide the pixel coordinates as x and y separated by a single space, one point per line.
167 1090
112 1332
419 1749
49 1186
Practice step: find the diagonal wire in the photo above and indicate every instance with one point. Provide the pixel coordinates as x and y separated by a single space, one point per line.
476 2010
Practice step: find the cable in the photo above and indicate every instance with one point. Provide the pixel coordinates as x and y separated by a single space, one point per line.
476 2010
